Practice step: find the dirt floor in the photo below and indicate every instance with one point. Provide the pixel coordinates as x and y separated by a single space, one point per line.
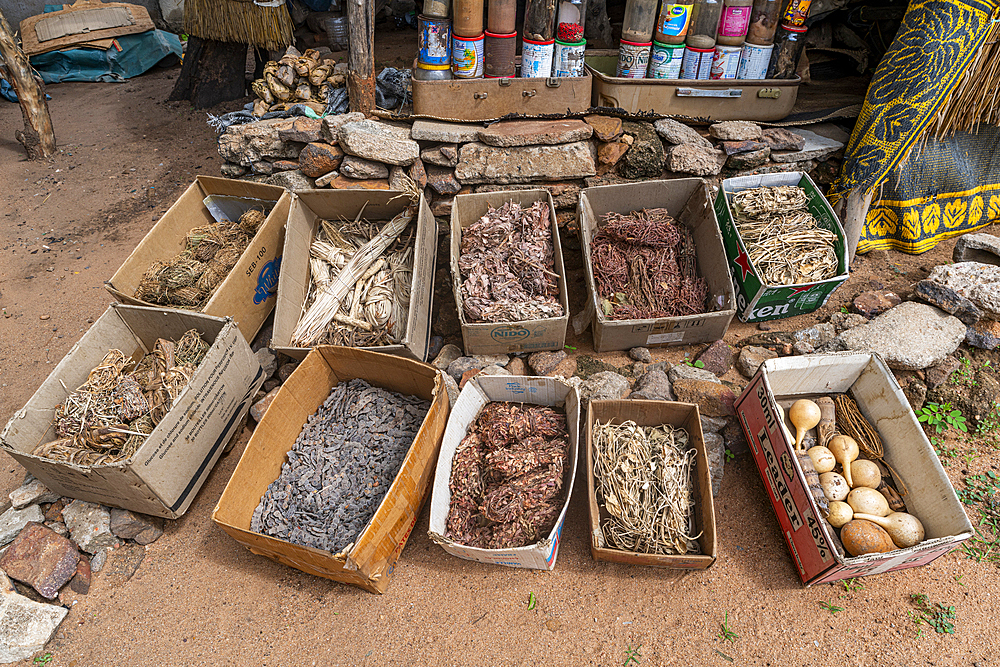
200 598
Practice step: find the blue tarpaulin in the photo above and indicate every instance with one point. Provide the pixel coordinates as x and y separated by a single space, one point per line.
131 55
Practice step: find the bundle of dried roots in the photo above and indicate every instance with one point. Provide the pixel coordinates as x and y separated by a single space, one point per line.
507 476
109 416
297 78
508 266
645 267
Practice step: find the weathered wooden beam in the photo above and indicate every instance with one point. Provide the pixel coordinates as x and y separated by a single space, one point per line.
38 137
213 72
361 55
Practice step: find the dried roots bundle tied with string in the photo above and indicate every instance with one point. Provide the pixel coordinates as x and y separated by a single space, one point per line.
110 415
297 78
644 485
785 242
507 264
507 476
190 278
645 267
360 279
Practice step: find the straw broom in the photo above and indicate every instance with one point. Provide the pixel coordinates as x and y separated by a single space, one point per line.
241 22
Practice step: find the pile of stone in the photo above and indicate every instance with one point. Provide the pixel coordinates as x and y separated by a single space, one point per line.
49 548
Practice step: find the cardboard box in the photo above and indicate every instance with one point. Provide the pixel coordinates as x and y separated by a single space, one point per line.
655 413
165 473
506 337
689 201
372 558
249 291
308 207
866 377
756 301
478 392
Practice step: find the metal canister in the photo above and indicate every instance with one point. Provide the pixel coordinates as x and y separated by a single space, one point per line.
498 55
796 12
754 59
437 8
467 57
423 72
725 62
536 58
697 63
568 58
665 61
633 59
433 40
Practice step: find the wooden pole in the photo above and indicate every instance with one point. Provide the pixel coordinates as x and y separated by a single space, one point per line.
38 137
361 55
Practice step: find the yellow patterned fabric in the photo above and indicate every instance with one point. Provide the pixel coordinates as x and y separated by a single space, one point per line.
934 46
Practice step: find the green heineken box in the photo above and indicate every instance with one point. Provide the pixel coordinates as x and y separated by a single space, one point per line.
756 301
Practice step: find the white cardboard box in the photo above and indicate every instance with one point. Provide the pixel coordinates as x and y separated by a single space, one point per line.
478 392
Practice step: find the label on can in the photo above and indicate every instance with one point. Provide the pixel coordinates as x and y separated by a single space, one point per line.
697 63
434 41
674 20
665 61
568 58
725 62
467 57
797 12
754 60
633 60
536 59
734 21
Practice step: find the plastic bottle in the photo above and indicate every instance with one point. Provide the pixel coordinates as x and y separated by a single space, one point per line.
704 24
734 22
673 22
788 45
639 21
763 22
796 12
571 16
437 8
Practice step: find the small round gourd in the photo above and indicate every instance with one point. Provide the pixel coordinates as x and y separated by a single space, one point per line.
868 501
834 486
839 513
862 537
865 473
822 459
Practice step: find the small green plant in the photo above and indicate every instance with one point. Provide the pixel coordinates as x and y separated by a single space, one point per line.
43 659
946 454
969 457
989 427
980 488
632 655
844 310
941 416
832 608
964 375
532 601
958 579
938 616
729 454
725 632
697 363
852 585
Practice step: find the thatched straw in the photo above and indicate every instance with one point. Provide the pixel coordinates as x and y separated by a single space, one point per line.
181 273
239 21
976 97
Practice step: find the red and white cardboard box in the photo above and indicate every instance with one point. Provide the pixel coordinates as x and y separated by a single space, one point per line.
868 380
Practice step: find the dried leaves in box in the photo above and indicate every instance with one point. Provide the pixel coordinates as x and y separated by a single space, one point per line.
109 416
643 477
785 242
507 476
645 267
508 267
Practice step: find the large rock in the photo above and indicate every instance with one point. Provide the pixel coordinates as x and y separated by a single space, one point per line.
42 559
984 334
717 358
259 409
508 133
255 142
689 372
448 354
677 133
543 363
603 386
816 147
713 424
751 357
715 447
977 282
89 525
445 155
442 180
713 399
693 159
780 139
909 337
979 247
947 300
817 335
13 520
738 147
646 157
500 360
564 195
32 492
875 302
609 155
25 625
654 386
461 365
479 163
976 398
735 130
291 180
449 133
268 361
341 182
641 354
303 130
130 525
360 168
330 131
935 376
606 128
379 141
749 160
844 321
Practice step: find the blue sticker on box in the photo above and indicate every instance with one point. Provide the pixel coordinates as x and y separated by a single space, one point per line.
267 281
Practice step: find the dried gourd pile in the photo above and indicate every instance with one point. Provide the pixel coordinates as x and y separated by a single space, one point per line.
109 416
785 242
297 78
189 279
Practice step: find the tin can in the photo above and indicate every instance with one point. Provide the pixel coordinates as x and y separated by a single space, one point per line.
796 12
665 61
437 8
697 63
424 72
433 40
536 58
633 59
754 59
726 62
467 57
568 58
498 54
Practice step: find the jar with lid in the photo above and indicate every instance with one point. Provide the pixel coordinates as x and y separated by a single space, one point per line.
432 72
540 20
673 22
796 12
704 24
437 8
763 22
788 45
734 22
639 21
571 16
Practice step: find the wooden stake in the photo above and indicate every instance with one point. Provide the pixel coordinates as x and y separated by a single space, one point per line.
361 57
38 138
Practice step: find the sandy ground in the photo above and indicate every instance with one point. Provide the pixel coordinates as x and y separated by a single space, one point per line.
201 598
